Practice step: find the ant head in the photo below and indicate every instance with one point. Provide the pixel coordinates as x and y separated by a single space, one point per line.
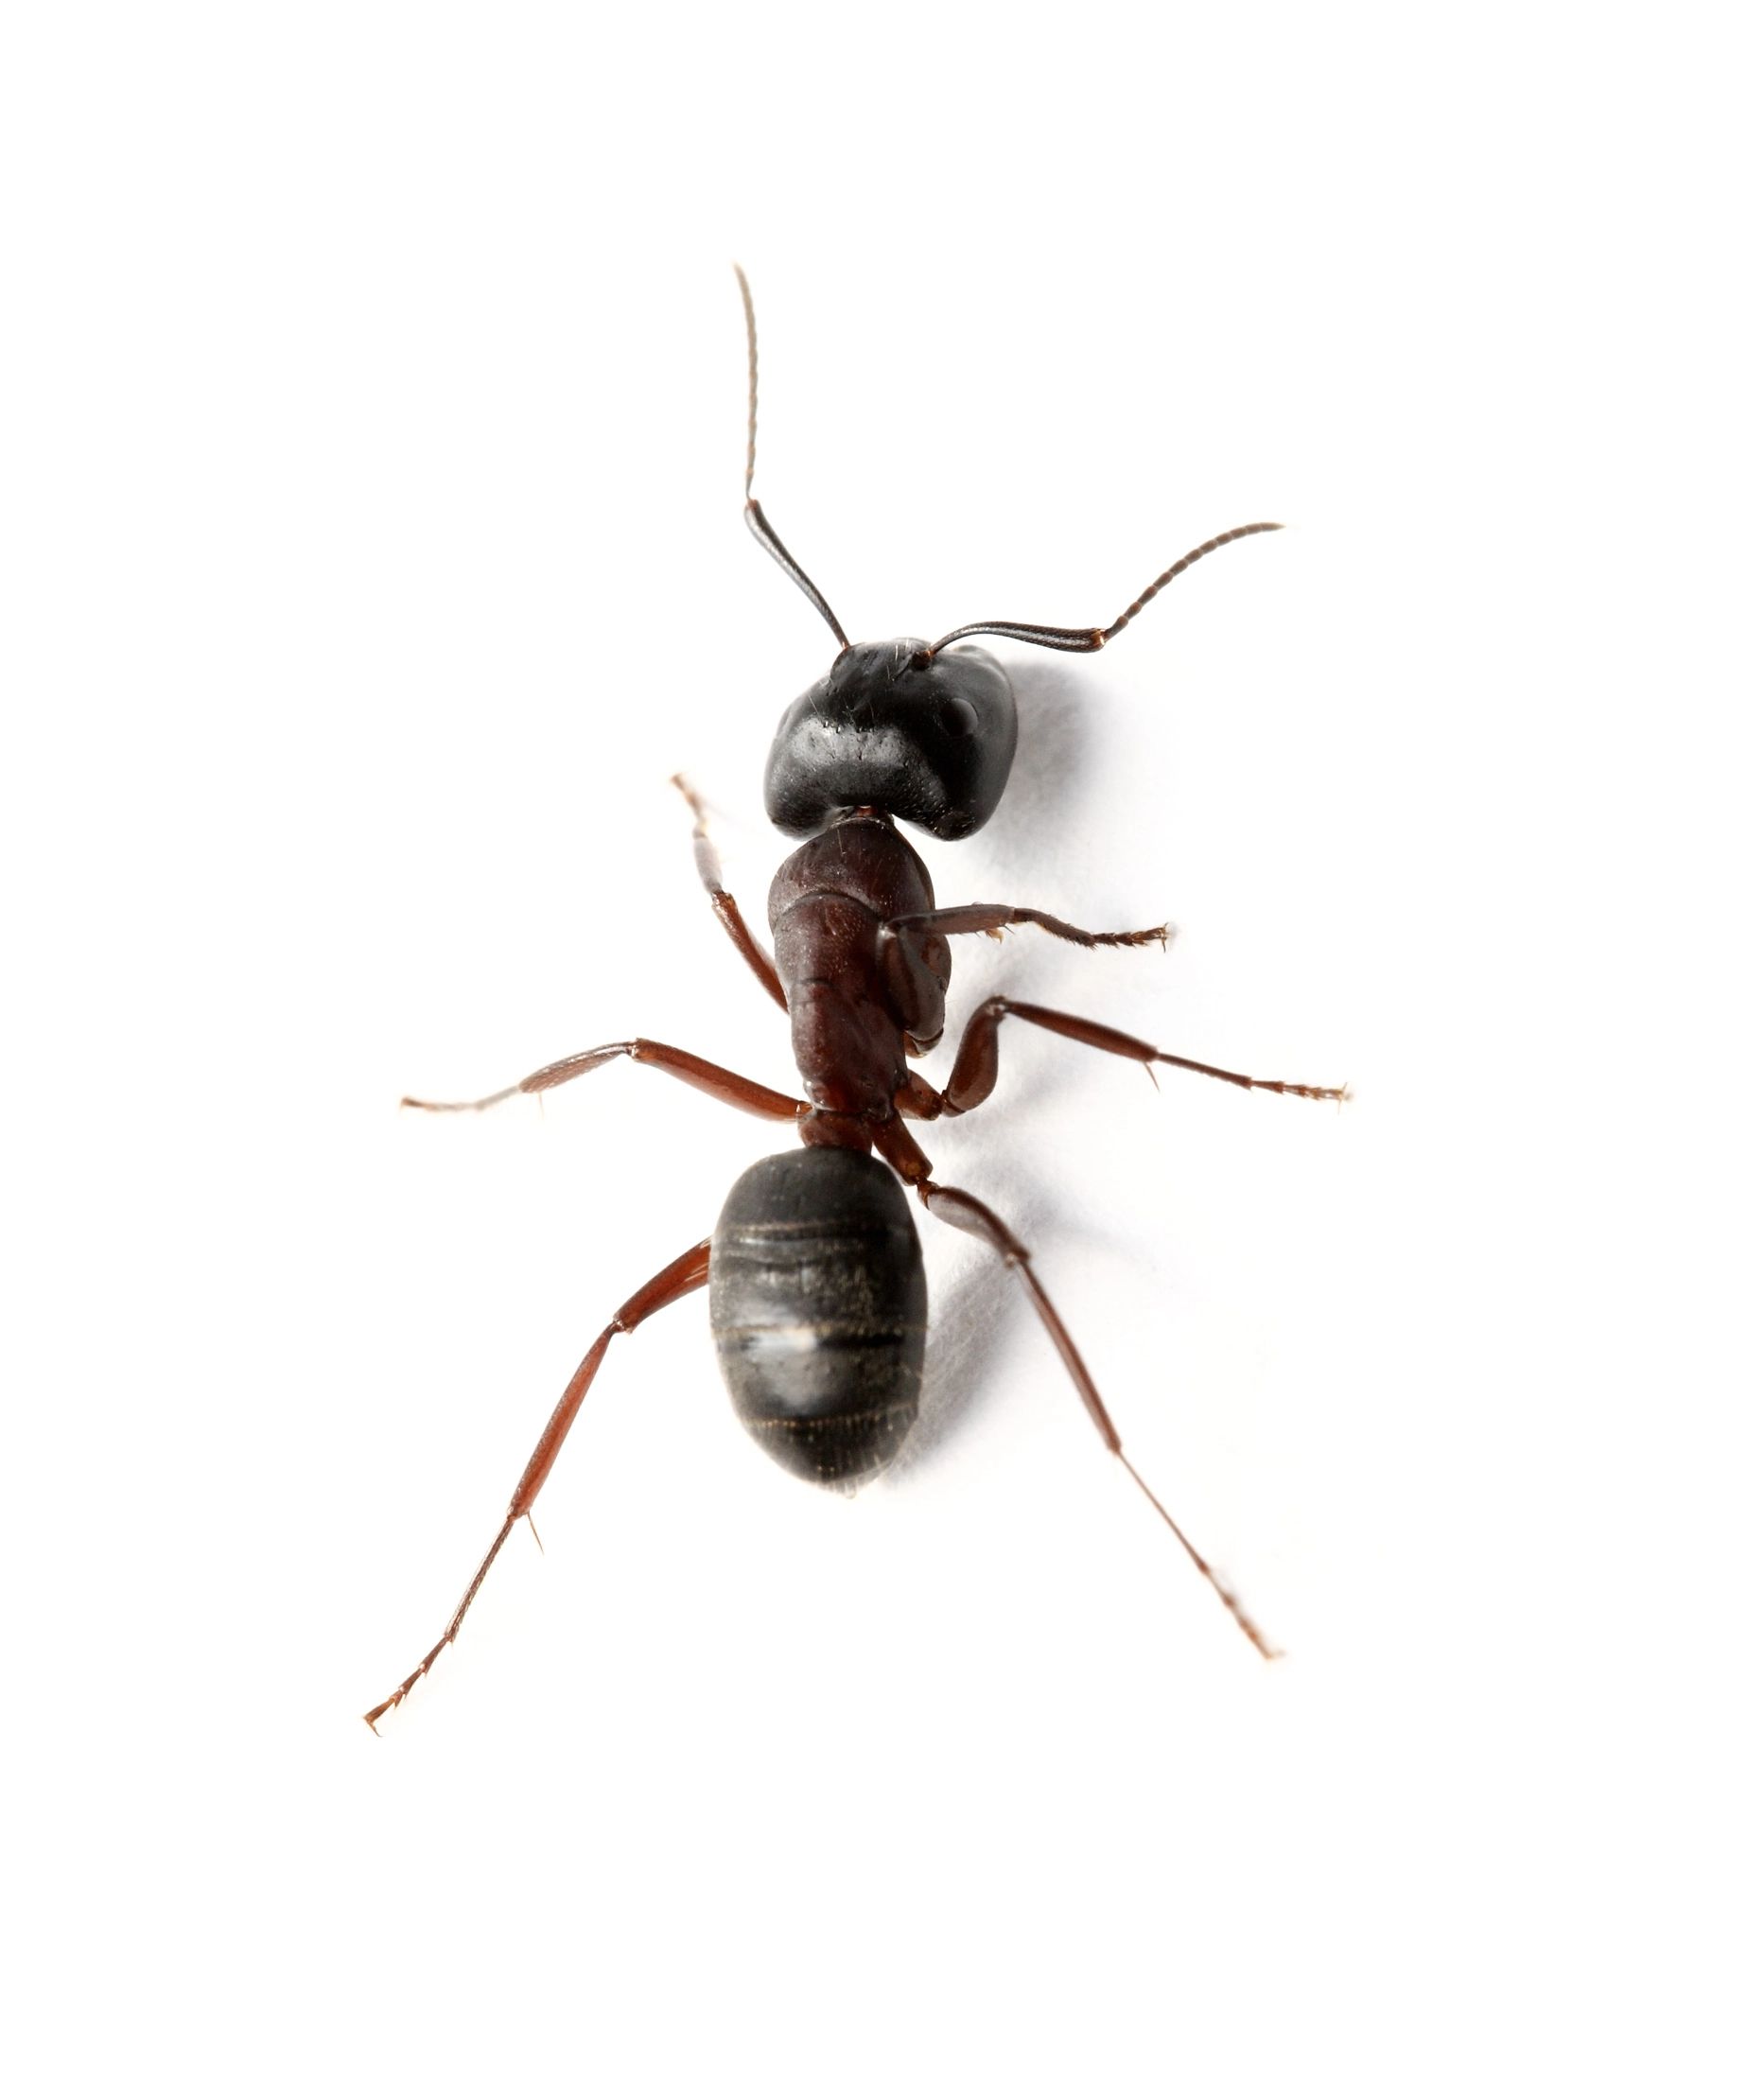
922 731
927 737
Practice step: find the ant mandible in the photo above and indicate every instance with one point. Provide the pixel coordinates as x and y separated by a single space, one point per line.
817 1284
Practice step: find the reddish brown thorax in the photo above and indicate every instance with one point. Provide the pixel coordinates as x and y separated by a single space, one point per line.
860 999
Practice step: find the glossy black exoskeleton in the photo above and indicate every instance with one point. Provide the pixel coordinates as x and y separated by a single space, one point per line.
817 1304
928 740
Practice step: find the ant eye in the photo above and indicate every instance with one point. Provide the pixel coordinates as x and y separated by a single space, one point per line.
957 717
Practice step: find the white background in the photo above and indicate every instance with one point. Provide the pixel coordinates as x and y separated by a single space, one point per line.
372 436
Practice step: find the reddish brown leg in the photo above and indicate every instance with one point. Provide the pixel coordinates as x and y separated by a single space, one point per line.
977 1058
962 1211
728 910
708 1077
998 918
687 1274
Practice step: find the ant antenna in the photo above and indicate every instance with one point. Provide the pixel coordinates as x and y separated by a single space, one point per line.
1093 639
757 520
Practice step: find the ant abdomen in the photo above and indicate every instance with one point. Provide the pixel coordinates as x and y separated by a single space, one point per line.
817 1304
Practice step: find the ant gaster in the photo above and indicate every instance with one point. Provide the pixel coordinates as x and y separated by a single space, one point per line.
817 1285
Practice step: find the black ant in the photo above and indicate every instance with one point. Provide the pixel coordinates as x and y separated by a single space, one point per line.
817 1285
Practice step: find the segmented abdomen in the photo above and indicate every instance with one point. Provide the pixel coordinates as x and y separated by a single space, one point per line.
817 1300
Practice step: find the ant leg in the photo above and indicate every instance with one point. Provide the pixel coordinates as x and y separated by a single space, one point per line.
708 1077
914 955
977 1058
728 910
687 1274
994 918
962 1211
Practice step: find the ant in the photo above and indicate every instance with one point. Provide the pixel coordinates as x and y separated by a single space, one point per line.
817 1283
